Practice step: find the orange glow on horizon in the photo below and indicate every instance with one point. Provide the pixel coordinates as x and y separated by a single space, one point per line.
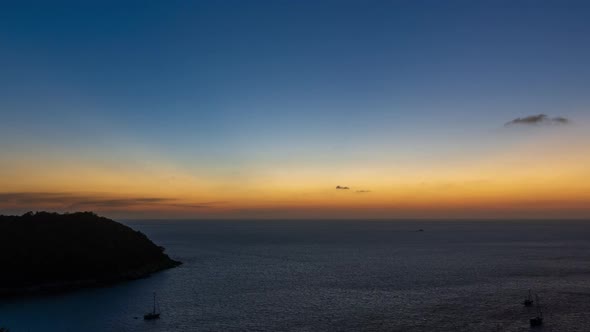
521 181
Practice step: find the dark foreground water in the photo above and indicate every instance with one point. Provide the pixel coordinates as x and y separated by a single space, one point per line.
338 276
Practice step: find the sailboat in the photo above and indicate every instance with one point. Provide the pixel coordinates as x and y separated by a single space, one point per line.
537 321
155 314
528 302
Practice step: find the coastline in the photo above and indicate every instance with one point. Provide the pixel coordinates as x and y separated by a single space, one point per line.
52 253
57 287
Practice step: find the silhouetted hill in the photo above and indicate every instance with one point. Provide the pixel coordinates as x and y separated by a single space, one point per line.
53 252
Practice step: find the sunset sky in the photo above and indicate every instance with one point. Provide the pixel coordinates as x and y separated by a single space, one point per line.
260 109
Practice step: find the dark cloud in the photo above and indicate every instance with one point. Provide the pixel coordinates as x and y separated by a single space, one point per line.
32 198
342 188
537 120
73 201
199 205
560 119
362 191
117 203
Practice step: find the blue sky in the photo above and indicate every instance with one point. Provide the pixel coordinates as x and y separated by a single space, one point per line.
219 84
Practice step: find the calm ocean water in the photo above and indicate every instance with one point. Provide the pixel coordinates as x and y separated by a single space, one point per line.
338 276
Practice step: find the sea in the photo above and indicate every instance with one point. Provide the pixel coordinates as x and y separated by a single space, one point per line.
338 275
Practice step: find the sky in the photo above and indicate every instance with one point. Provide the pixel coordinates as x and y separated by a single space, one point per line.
296 109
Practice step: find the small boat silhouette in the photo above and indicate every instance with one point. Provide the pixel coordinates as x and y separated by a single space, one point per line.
155 314
537 321
528 302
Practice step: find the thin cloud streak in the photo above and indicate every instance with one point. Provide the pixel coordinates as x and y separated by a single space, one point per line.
537 120
73 201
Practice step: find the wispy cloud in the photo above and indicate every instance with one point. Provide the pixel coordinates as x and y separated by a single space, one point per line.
538 120
73 201
362 191
342 188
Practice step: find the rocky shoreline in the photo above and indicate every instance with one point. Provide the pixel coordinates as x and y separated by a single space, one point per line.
71 285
